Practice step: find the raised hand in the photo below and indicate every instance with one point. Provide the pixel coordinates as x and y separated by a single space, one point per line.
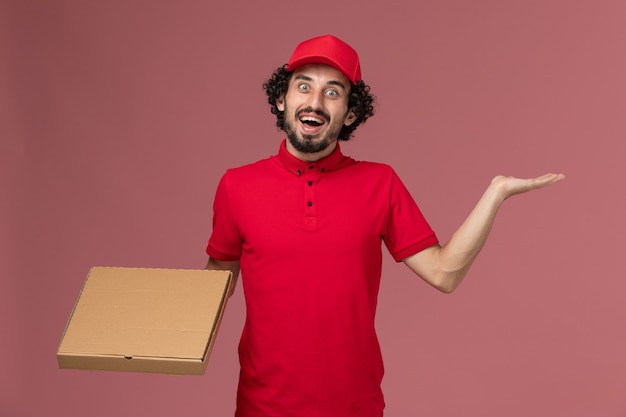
509 186
445 266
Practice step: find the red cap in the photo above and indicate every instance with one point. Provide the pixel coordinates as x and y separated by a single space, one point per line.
327 50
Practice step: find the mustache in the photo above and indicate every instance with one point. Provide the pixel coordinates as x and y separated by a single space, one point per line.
317 112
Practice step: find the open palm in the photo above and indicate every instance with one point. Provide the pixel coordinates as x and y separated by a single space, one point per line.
510 186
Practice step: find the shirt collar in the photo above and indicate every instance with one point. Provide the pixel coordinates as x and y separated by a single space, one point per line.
296 166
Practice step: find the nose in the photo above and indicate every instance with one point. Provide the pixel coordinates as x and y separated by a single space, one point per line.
316 99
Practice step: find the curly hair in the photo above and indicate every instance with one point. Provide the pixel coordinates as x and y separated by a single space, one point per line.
360 101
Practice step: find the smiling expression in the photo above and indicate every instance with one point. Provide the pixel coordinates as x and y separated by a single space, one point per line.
316 109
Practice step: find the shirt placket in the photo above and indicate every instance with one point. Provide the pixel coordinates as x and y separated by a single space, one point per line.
311 176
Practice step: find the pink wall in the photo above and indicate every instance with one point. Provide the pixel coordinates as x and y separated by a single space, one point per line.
118 119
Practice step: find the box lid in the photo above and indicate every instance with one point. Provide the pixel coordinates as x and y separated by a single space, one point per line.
145 320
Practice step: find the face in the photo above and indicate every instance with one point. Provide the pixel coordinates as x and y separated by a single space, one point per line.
316 108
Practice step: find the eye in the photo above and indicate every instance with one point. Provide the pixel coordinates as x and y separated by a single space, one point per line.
303 87
332 93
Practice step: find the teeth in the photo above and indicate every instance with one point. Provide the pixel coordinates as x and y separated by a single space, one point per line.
311 119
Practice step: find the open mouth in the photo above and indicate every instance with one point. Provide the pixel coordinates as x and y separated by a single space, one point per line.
311 121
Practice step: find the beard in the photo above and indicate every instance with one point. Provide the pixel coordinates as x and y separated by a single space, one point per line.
309 143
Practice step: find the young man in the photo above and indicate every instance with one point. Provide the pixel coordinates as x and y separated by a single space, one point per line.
306 226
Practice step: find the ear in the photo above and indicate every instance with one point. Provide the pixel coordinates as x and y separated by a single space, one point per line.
280 103
350 118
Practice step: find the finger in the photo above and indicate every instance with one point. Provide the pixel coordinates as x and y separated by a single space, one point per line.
548 179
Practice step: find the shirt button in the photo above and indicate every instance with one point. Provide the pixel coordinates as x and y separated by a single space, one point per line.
298 172
310 183
311 167
310 203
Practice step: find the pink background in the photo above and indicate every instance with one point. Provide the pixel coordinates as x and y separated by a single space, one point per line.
118 119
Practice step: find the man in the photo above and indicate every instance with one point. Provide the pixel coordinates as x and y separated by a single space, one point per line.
306 226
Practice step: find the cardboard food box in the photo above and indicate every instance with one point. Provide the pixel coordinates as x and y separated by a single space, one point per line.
145 320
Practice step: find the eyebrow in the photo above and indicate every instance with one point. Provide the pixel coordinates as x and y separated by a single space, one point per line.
331 82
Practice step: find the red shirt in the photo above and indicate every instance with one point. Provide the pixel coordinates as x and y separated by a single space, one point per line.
308 236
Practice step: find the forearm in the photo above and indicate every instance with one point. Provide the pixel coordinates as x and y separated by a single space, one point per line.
455 258
233 267
445 267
